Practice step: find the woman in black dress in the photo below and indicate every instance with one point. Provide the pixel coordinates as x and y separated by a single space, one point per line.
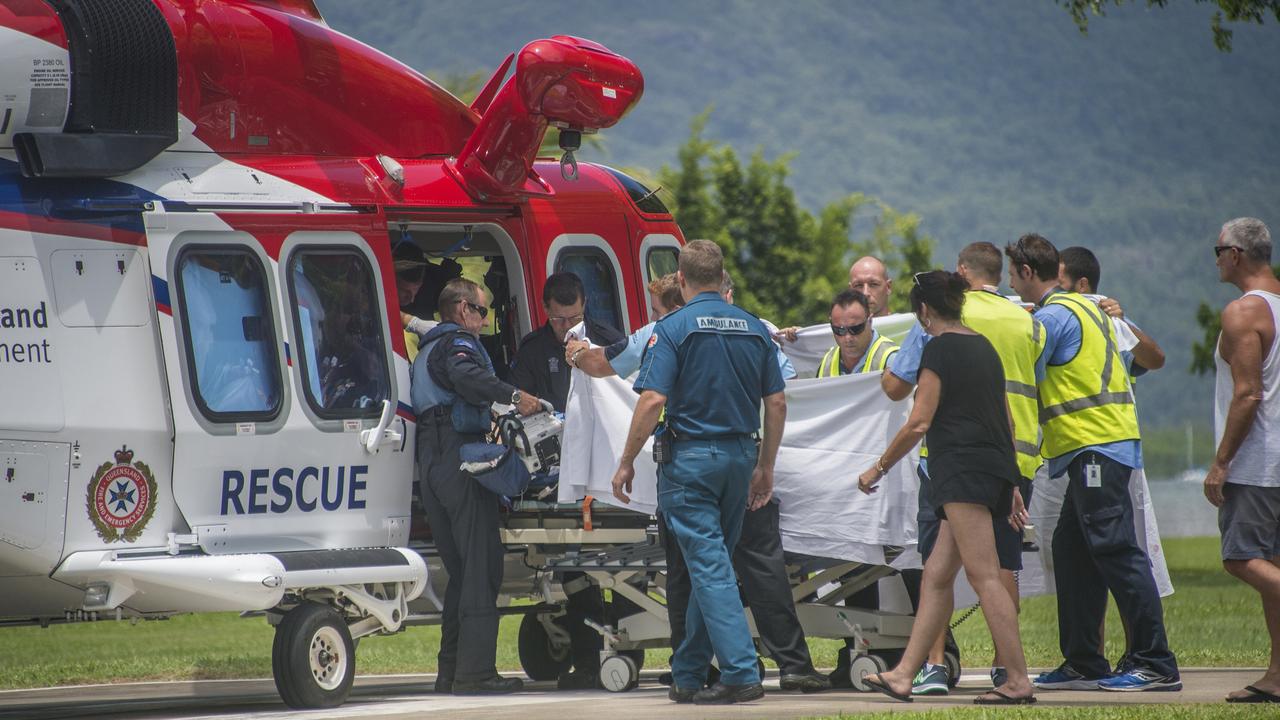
960 410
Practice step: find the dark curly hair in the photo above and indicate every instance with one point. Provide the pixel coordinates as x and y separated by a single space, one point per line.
942 291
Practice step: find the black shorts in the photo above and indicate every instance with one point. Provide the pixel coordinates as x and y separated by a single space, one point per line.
1008 540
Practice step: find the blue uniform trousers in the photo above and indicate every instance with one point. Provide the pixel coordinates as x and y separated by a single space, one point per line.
702 494
1095 549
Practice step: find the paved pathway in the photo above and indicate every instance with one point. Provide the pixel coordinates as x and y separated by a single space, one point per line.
407 697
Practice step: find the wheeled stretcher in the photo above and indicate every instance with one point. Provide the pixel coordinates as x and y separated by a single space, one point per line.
618 550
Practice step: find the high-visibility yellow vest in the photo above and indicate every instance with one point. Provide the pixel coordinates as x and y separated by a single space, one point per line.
1087 401
873 360
411 341
1018 339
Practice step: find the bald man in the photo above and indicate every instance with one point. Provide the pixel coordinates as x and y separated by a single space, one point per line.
870 277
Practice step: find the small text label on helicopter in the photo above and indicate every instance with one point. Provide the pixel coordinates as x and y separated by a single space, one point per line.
259 491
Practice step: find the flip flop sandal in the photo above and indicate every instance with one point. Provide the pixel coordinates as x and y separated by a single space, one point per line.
884 688
1255 696
1001 699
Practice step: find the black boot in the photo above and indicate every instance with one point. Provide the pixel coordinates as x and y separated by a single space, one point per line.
721 694
496 685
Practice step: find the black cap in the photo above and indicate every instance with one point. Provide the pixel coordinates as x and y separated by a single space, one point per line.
408 256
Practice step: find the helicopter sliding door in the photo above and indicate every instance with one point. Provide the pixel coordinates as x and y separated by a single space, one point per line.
280 364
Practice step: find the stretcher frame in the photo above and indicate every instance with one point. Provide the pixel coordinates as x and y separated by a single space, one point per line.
618 550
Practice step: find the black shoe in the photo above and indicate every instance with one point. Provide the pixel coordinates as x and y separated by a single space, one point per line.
443 686
839 678
578 680
810 681
666 679
721 694
680 695
496 685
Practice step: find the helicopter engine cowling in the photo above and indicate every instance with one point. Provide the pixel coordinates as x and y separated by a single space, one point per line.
106 109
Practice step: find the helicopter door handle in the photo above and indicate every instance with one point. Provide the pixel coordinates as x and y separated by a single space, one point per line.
375 437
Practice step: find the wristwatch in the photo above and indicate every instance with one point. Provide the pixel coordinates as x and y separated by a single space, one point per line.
516 397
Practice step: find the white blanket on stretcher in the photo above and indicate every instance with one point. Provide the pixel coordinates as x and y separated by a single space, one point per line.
836 428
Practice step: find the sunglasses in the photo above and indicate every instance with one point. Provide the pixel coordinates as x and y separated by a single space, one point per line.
480 310
1219 249
842 330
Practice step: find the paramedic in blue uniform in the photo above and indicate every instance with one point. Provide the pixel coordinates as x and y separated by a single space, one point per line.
758 559
711 365
453 387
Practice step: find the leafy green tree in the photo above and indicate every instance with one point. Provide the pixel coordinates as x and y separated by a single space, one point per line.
1246 11
787 262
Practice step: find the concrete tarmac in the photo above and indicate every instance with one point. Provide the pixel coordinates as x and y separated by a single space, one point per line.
411 696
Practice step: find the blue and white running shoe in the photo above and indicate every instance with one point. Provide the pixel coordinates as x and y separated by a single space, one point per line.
1140 679
1065 678
931 680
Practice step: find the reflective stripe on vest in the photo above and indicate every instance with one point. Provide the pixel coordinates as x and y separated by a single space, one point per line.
1018 339
1086 401
875 359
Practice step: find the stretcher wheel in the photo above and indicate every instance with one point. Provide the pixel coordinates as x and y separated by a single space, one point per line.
862 666
313 657
952 661
618 673
637 657
540 657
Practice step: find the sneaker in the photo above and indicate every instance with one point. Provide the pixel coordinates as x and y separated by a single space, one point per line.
1140 679
578 680
1065 678
999 676
1123 666
931 680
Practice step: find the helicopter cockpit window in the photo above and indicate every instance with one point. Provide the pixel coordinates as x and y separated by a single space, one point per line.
338 330
662 260
230 334
592 266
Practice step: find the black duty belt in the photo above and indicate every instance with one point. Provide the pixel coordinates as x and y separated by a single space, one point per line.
434 412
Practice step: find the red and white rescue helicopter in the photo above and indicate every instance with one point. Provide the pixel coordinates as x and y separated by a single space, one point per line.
203 376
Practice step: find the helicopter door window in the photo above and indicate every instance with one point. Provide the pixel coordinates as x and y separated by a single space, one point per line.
595 270
229 333
338 329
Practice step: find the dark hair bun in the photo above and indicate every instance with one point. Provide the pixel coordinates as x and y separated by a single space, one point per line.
941 290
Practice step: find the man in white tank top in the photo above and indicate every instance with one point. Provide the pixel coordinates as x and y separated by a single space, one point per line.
1244 480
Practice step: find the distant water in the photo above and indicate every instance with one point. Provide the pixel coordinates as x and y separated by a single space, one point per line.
1181 510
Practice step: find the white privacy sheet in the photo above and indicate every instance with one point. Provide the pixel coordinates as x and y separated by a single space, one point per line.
836 428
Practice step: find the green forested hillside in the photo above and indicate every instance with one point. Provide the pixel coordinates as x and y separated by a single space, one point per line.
988 119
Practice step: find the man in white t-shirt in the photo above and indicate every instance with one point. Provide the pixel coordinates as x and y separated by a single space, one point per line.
1242 482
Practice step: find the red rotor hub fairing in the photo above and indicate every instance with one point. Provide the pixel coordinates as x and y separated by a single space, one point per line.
565 80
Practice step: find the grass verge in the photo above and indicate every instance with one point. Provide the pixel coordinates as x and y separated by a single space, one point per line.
1121 712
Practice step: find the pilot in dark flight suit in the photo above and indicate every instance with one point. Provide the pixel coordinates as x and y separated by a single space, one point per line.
453 387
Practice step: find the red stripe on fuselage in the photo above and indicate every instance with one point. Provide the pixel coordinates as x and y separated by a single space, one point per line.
10 220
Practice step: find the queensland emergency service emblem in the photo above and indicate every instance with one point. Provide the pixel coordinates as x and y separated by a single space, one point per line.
121 498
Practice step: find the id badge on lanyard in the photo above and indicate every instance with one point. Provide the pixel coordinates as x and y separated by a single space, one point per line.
1093 474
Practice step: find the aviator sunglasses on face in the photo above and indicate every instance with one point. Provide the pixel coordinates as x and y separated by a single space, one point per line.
842 330
481 310
1219 249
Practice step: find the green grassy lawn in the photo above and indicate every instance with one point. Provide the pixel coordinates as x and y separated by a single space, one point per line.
1121 712
1213 620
